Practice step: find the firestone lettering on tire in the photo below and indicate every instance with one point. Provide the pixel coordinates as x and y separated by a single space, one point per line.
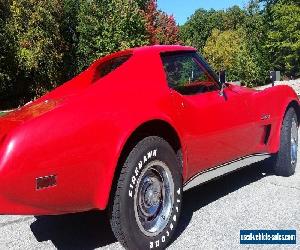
162 239
138 168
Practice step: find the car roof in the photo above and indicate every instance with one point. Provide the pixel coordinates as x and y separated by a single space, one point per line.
147 49
162 48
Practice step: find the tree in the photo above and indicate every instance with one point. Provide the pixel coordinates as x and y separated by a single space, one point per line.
227 50
5 47
11 84
142 4
36 27
150 15
70 37
161 28
283 41
273 2
250 20
256 36
233 18
107 26
198 28
167 29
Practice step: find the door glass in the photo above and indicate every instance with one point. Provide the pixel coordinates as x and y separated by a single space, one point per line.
185 74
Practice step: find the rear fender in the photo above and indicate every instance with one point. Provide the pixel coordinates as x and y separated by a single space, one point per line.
112 172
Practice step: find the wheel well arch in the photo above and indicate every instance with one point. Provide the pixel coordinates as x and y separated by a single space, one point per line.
294 104
274 145
150 128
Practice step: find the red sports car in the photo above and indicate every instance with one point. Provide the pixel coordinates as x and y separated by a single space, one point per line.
135 130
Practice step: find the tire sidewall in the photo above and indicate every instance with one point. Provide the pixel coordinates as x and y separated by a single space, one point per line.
283 165
146 152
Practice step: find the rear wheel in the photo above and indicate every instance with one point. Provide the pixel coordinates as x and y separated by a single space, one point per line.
285 161
147 202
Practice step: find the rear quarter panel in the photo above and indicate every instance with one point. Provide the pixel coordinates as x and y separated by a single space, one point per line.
81 140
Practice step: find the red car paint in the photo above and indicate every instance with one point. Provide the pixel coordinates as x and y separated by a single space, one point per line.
78 131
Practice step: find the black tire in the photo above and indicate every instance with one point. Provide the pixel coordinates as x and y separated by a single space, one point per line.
137 191
284 162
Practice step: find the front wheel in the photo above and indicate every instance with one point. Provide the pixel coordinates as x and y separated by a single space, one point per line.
285 161
147 202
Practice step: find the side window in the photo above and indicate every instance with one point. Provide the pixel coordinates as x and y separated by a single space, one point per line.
185 74
109 66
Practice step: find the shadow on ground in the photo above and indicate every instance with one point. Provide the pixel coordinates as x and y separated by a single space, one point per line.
84 231
92 230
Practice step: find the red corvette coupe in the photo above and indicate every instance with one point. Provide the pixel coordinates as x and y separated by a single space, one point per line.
134 131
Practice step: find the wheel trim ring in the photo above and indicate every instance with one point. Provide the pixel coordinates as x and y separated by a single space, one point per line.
160 224
294 141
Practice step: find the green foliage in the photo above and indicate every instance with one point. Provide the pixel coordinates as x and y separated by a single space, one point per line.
107 26
9 87
249 31
270 40
36 28
228 50
70 36
283 41
5 47
142 4
256 36
199 27
234 18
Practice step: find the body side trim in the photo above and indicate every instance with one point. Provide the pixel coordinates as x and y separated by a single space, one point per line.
223 169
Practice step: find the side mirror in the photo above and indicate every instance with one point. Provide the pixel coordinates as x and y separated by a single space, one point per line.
222 80
222 76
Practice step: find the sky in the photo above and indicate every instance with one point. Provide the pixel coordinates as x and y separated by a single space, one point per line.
182 9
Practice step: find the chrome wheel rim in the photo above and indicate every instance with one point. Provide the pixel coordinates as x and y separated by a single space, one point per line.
153 199
294 141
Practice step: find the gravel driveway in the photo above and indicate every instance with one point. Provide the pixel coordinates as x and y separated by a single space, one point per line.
212 216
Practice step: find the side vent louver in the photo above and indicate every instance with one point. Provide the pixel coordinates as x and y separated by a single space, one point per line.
267 133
